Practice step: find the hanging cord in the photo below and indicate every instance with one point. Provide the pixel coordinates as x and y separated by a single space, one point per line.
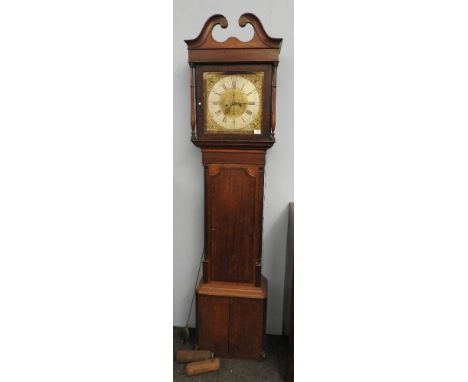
196 282
185 332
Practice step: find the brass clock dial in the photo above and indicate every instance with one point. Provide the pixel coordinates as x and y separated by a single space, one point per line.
233 102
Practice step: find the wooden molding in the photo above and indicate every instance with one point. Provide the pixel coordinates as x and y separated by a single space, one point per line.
233 156
237 144
227 289
213 169
252 171
206 34
262 47
260 39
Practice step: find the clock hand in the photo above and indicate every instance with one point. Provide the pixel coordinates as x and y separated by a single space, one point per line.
240 103
227 109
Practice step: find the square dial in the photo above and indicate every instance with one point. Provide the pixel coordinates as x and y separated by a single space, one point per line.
233 102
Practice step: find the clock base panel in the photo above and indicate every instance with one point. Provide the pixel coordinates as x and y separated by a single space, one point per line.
231 319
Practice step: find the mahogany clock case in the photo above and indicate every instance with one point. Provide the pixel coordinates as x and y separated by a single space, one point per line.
234 181
232 296
231 324
200 96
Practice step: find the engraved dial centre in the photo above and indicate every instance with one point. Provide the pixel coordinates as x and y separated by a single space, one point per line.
233 101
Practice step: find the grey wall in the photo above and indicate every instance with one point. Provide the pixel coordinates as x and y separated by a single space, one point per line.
189 17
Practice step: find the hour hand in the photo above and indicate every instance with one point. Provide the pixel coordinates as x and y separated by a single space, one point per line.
227 108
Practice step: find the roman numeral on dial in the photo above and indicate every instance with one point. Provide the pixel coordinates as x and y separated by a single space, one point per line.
234 102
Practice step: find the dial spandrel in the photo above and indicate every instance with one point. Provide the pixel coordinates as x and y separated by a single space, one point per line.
233 102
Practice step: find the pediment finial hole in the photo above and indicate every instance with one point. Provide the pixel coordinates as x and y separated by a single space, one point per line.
244 34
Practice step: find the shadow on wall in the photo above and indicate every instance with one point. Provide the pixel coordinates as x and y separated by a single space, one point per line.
273 260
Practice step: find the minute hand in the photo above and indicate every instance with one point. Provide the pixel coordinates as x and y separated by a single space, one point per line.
243 103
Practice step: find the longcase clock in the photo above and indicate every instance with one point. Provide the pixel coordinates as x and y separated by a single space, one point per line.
233 91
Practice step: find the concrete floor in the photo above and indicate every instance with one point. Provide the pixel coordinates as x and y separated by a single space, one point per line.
272 369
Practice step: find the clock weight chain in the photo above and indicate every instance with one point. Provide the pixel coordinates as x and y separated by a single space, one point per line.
185 333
